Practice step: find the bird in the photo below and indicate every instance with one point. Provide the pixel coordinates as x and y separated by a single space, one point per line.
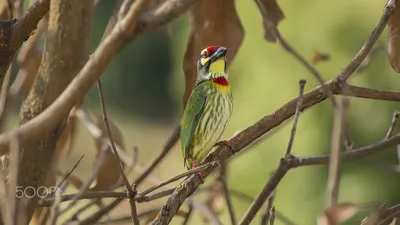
208 109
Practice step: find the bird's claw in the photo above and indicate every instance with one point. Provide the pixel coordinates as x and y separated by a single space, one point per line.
201 174
226 143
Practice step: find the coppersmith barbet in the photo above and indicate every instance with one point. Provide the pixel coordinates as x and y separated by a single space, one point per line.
208 109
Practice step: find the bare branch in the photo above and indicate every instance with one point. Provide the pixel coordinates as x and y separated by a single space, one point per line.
92 177
189 213
47 202
296 117
292 51
134 216
361 92
68 44
395 118
272 218
267 214
222 179
332 190
70 172
131 193
89 74
167 148
255 131
175 178
369 44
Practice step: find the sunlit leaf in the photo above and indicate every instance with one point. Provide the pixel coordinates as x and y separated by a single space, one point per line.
338 213
394 39
213 22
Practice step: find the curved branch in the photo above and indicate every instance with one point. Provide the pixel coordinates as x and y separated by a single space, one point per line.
272 120
125 29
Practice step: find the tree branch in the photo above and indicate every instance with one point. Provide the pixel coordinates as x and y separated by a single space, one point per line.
14 32
67 42
272 120
112 44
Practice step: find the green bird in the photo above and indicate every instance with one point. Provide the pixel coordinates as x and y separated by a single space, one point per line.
208 109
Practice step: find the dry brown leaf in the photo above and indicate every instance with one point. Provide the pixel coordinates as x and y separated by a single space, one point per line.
109 170
394 40
213 22
272 15
338 213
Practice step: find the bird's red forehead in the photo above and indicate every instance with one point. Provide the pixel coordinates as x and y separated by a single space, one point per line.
211 49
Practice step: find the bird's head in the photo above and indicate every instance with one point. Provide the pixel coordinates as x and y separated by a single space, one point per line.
211 63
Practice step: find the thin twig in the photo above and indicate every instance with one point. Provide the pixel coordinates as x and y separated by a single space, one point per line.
188 214
167 148
266 192
369 44
395 118
272 218
332 190
143 214
70 172
296 117
134 215
177 177
89 181
118 184
267 214
222 179
55 214
292 51
113 147
247 136
389 133
47 202
129 190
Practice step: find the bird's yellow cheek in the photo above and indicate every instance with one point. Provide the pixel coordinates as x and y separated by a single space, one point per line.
218 66
204 60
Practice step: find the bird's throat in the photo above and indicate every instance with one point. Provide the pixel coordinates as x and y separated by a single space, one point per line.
217 66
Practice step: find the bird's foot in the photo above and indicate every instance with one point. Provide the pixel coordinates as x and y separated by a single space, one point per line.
226 143
201 174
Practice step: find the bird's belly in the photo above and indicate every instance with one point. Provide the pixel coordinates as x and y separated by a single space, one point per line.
213 122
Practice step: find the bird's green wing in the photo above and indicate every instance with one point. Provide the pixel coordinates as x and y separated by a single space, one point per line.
191 116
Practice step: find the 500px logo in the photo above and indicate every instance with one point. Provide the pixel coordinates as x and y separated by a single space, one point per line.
31 192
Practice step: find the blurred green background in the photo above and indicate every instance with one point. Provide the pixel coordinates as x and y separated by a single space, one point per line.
144 85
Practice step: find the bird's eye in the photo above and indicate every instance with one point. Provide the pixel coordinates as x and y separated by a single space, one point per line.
204 54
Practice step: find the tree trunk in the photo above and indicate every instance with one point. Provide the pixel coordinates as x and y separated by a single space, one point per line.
66 51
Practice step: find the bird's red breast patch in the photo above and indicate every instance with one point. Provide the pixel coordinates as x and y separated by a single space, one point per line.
221 81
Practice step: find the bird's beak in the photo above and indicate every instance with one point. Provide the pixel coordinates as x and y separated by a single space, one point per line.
221 52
